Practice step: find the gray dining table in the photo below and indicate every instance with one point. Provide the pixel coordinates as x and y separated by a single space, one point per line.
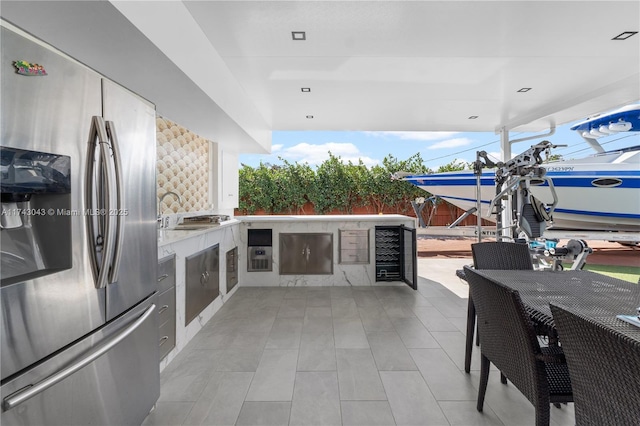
596 296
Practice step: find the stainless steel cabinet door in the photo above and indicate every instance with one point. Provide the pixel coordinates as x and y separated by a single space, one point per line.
306 254
319 254
232 268
203 281
292 254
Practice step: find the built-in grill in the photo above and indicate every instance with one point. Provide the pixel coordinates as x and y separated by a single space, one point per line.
204 220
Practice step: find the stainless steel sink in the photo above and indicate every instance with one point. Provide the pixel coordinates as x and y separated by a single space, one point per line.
192 227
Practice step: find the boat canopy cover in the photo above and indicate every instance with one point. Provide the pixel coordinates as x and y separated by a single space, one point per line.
624 119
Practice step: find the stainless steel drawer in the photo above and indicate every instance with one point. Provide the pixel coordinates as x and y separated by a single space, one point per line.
354 256
167 306
166 273
167 338
354 243
357 233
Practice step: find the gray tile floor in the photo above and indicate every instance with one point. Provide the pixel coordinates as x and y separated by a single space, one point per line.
336 356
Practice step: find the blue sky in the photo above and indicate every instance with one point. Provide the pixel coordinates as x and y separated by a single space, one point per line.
436 148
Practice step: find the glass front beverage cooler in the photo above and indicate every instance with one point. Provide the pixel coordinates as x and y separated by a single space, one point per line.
396 254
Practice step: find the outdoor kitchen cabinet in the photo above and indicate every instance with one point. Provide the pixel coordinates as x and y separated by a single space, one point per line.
232 268
396 254
306 253
226 185
167 304
202 281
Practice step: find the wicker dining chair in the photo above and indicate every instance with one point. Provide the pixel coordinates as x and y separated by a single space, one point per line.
509 341
492 255
605 370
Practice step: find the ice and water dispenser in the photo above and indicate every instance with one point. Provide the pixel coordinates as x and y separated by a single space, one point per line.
259 250
35 221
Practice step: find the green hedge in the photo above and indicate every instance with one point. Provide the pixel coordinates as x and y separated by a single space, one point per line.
334 186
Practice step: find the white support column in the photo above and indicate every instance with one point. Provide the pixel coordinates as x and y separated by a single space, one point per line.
505 146
505 149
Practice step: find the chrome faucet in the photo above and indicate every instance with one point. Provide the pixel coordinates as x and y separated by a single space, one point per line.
164 224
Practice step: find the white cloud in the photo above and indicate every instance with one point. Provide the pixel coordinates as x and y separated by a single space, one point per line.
277 147
367 161
307 150
451 143
317 154
416 136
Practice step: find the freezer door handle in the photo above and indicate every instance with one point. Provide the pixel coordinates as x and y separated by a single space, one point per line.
119 212
98 192
32 390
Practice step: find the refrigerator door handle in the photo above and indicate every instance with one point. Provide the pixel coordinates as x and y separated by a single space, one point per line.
120 211
97 216
32 390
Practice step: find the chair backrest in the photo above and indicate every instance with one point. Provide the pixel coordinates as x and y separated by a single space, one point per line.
501 255
605 369
507 335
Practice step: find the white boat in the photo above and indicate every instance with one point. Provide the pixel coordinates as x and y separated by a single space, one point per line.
597 193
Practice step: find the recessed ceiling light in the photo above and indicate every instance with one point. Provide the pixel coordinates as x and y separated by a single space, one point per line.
625 35
298 35
524 89
309 116
306 89
473 117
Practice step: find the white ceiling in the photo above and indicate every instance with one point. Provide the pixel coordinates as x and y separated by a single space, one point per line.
381 65
426 65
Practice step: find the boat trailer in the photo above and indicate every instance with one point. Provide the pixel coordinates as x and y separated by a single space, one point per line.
529 215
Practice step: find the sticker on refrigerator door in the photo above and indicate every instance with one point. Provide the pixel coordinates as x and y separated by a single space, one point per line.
29 69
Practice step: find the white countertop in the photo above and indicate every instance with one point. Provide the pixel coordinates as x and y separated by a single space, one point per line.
325 218
168 236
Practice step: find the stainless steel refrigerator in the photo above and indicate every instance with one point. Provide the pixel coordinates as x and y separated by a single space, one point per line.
79 339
